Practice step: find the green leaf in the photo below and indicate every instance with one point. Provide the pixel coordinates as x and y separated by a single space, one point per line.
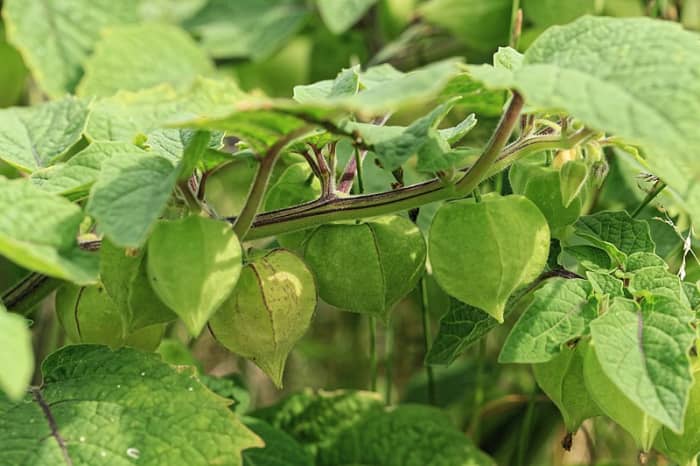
482 25
393 145
684 448
247 28
406 435
546 13
318 419
17 355
14 77
131 192
692 293
560 312
605 284
616 232
118 267
340 15
640 260
268 312
460 327
122 61
383 257
172 144
280 448
572 180
74 178
193 265
127 114
384 90
542 185
590 257
591 69
55 37
615 403
645 354
562 380
38 231
118 407
35 137
482 252
656 281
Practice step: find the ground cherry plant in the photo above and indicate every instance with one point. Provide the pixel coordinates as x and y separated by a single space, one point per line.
298 233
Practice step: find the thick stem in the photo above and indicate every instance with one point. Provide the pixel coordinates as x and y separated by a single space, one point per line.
262 177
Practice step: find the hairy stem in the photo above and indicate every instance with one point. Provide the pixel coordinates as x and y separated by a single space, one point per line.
373 353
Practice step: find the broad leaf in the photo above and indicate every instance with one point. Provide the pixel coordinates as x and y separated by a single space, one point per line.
193 265
130 194
35 137
560 312
247 28
393 145
74 178
16 353
482 252
383 89
125 115
645 354
549 12
57 36
615 403
656 281
460 327
123 61
482 25
38 231
640 260
616 232
684 448
340 15
562 380
118 407
590 257
591 69
280 448
318 419
408 435
605 284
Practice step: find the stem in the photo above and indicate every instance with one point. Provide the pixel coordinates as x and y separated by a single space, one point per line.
373 353
491 153
651 195
262 177
516 24
475 424
360 177
25 295
423 291
525 430
388 361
